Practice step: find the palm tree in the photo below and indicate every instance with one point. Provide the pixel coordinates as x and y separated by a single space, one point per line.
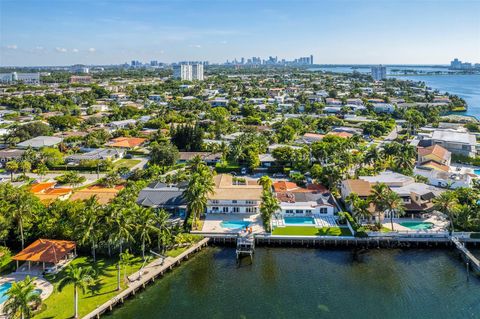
393 204
446 203
377 197
200 186
266 182
90 224
268 208
146 222
12 167
22 210
81 278
22 299
360 207
126 259
25 166
163 231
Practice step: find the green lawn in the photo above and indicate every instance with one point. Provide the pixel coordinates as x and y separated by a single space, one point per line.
128 163
311 231
60 304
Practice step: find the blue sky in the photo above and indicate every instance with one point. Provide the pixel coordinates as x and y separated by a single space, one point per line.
63 32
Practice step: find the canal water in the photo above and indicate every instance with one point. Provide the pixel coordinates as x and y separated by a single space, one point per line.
312 283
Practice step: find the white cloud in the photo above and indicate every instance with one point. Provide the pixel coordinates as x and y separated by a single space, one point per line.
12 47
75 50
198 46
224 42
39 48
61 50
92 50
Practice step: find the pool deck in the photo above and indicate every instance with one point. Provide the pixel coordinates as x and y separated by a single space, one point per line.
212 223
438 223
40 283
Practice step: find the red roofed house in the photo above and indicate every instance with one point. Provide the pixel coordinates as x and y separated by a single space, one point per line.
127 142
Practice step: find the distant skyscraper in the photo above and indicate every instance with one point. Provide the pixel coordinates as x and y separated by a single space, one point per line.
311 58
188 71
197 71
379 72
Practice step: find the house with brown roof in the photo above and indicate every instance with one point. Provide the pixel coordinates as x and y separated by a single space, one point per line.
104 195
436 153
127 142
47 192
234 196
299 201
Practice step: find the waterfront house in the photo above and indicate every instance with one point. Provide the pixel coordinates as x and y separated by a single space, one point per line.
160 195
447 179
456 142
435 153
234 195
299 201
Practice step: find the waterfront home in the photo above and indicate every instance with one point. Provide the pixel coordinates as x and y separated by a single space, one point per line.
160 195
435 153
233 195
97 154
299 201
40 142
456 142
447 179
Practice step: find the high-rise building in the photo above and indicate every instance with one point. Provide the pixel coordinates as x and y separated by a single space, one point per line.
187 71
311 58
379 72
456 64
197 71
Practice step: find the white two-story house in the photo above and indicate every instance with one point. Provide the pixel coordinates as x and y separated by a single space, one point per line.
234 196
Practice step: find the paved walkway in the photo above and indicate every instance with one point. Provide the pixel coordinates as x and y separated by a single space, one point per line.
140 278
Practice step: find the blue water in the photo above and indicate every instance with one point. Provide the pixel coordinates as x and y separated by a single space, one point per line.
465 86
3 291
477 171
299 221
234 224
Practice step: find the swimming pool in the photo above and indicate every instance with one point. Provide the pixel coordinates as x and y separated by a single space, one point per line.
234 224
299 221
417 225
476 171
3 291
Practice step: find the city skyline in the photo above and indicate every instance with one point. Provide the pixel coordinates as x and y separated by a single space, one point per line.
335 32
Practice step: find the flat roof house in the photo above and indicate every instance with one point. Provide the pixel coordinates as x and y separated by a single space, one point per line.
97 154
40 142
456 142
232 196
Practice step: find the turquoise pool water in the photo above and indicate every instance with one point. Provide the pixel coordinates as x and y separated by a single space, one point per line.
3 291
234 224
477 171
417 225
299 221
